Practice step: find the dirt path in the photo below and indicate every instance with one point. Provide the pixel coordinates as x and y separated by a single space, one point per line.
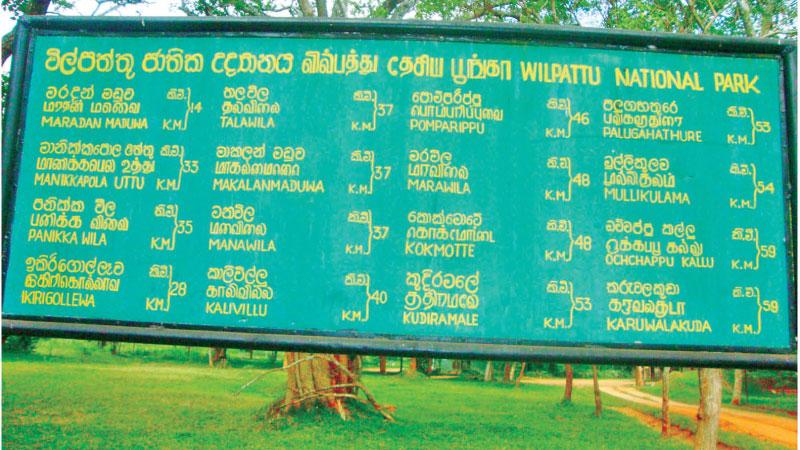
655 423
777 429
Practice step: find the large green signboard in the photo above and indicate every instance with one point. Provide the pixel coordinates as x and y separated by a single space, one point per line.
402 189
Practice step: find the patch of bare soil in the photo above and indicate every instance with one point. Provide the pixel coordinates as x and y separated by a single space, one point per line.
675 431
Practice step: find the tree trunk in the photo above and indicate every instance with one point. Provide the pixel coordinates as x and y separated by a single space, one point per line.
507 373
412 367
327 381
746 390
30 8
488 375
521 374
637 376
598 403
382 364
217 357
513 372
747 20
273 356
568 384
738 376
665 401
709 410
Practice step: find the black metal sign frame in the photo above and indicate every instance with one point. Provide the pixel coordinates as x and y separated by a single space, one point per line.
29 27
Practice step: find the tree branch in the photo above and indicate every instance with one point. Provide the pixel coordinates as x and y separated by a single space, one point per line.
339 8
385 9
714 15
696 17
37 8
34 8
305 8
489 9
403 8
8 44
266 372
322 8
747 20
767 19
363 388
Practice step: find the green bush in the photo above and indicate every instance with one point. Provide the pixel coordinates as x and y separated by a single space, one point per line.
19 344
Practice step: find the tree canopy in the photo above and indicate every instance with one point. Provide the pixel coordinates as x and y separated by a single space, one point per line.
755 18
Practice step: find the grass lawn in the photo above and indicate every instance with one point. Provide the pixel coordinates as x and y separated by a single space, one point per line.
79 398
72 394
683 388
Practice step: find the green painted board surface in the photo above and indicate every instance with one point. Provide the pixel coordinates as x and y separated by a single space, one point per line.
534 193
